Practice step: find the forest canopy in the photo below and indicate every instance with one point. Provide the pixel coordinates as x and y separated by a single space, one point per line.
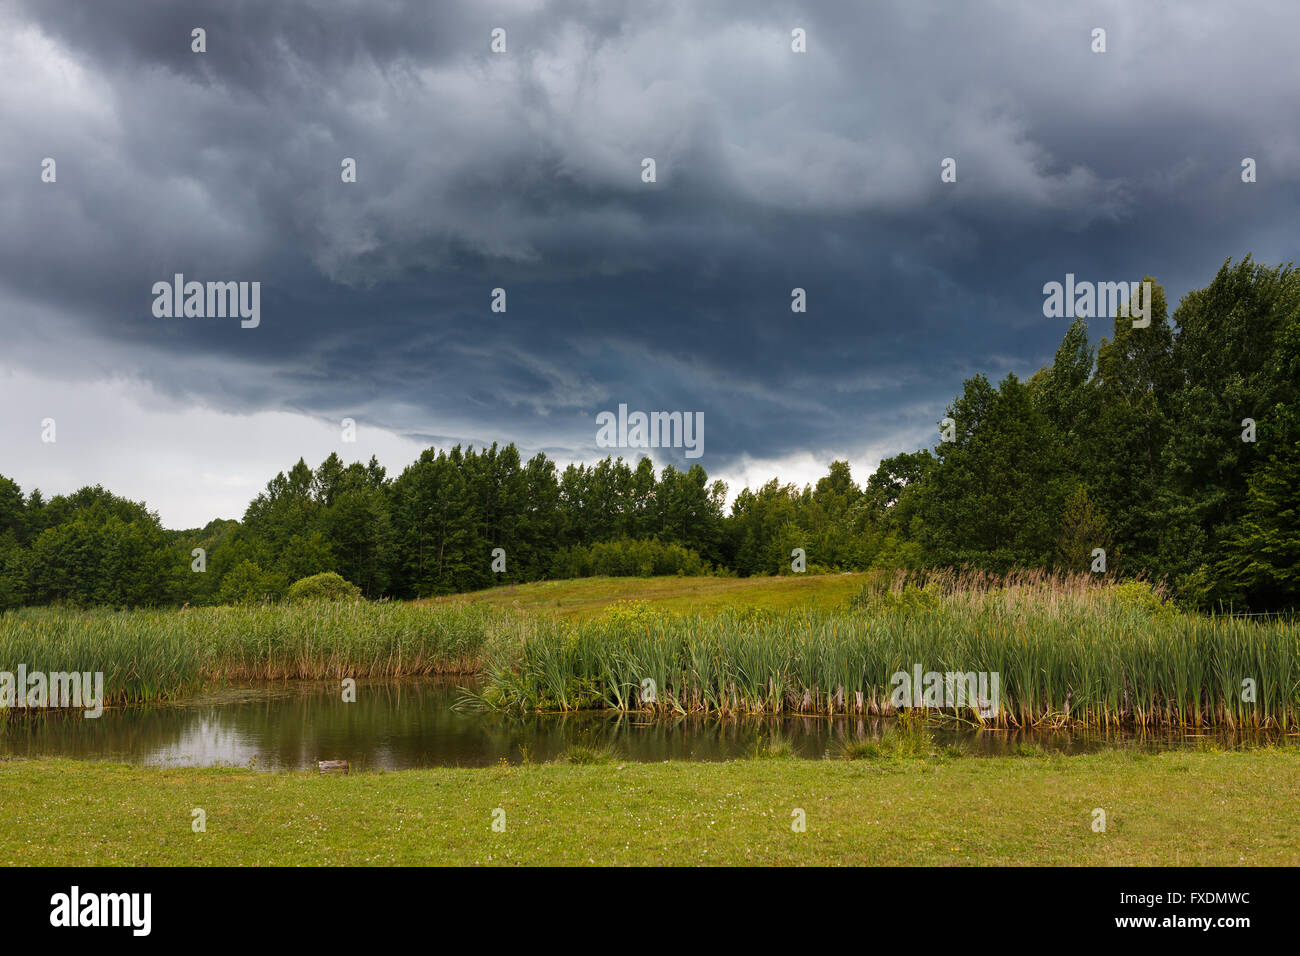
1174 448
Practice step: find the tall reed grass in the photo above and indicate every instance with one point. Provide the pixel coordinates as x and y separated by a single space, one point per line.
156 655
1066 652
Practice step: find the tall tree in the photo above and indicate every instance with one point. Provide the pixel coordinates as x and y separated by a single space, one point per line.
1121 463
993 496
1228 370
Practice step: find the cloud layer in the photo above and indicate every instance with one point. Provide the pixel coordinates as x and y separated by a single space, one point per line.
522 171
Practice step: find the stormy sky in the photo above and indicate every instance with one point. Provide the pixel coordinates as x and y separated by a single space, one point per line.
523 170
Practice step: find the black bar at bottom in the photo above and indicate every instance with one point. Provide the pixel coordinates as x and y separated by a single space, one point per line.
330 907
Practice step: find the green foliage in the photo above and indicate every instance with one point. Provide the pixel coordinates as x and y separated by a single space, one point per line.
626 558
1065 650
247 583
627 614
92 548
836 523
773 746
1066 393
906 739
1261 562
588 754
1143 599
323 587
150 655
1135 447
991 498
1083 529
910 597
1260 566
1236 358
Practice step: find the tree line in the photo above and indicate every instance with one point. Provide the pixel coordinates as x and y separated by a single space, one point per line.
1170 450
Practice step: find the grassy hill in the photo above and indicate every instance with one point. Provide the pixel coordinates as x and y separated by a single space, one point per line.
586 597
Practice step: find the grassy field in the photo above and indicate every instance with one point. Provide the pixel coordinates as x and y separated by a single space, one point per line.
586 598
1184 808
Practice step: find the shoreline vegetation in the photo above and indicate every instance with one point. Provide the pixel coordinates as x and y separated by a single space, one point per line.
151 656
1068 651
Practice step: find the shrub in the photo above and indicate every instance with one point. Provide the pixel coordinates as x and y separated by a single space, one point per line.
911 598
623 614
629 558
324 587
1141 597
247 583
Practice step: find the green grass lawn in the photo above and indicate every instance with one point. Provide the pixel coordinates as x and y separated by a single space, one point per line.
1185 808
587 597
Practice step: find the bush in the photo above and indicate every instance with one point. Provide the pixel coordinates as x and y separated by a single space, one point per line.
873 599
628 558
247 583
324 587
1142 597
621 614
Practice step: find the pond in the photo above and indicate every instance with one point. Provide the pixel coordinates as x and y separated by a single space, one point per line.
396 725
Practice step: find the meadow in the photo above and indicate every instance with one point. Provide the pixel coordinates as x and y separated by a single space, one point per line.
588 598
1225 808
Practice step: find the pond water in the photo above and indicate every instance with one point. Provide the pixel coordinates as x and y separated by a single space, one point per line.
395 725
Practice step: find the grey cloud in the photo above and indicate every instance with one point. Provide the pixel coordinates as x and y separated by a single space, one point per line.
776 170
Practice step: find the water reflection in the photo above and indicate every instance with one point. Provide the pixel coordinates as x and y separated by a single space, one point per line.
394 725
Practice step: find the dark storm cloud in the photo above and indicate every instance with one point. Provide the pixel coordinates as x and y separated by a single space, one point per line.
776 170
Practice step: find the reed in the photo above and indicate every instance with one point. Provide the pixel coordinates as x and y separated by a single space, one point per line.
1066 652
159 655
908 738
